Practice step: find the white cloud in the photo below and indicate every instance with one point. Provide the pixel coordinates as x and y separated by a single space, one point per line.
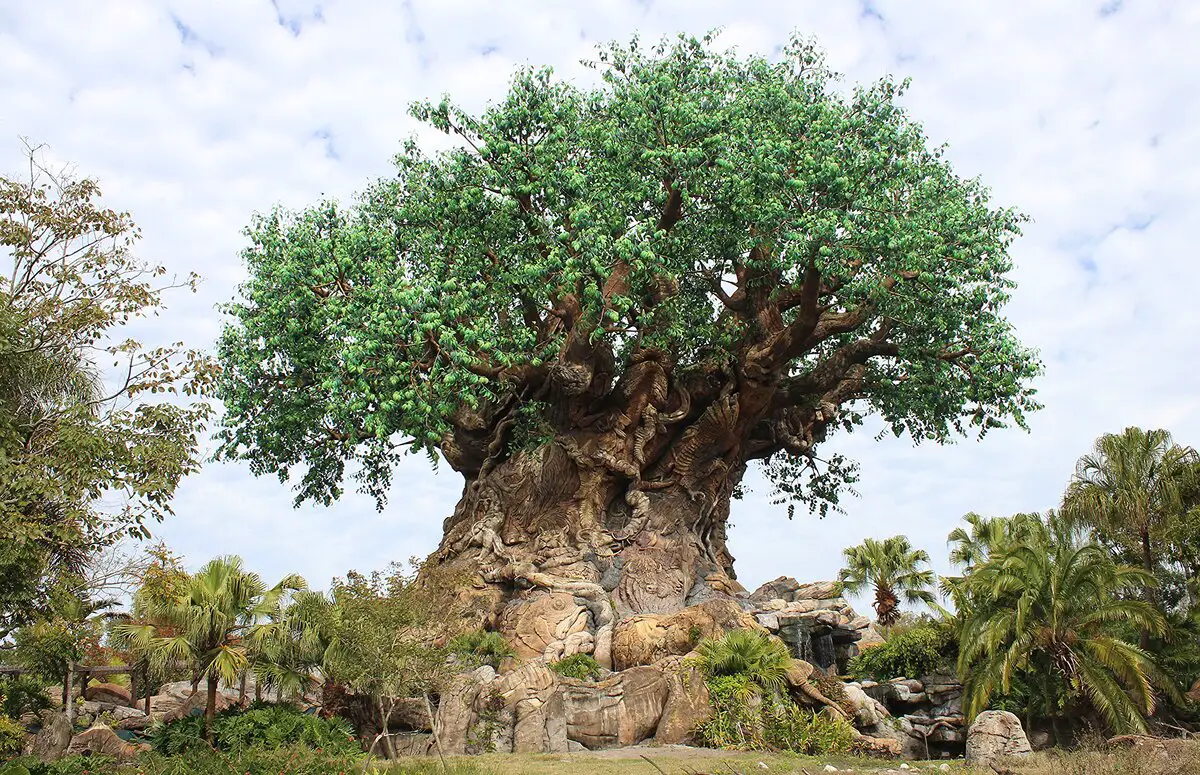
196 114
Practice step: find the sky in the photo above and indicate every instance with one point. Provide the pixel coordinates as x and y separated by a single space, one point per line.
194 115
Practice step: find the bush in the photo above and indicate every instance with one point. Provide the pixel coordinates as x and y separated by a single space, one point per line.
581 666
754 655
736 721
792 728
481 648
910 654
22 694
12 737
262 726
743 719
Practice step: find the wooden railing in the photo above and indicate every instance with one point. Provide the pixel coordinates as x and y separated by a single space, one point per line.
84 673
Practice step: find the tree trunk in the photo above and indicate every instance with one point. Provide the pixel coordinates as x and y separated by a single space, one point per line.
563 540
1148 566
210 708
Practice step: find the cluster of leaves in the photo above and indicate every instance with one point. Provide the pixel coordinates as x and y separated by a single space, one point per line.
788 727
745 718
21 694
71 440
917 651
12 737
261 726
762 660
481 647
581 666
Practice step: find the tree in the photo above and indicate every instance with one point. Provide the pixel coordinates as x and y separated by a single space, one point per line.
75 436
973 544
214 623
892 568
1131 490
601 305
384 643
1044 611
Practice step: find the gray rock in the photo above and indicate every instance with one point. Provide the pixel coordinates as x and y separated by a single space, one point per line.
770 621
52 741
995 734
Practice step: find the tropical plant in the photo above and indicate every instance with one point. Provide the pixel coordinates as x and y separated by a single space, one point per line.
21 694
1131 489
893 569
581 666
482 647
762 660
916 652
12 737
1046 609
704 261
82 462
259 726
972 544
215 623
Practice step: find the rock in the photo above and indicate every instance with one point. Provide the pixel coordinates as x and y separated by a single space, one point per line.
870 637
540 625
539 724
829 768
994 734
410 713
100 740
456 710
52 741
195 705
575 747
1194 693
109 693
782 588
869 711
621 710
411 744
647 638
687 707
1040 739
817 590
770 621
117 712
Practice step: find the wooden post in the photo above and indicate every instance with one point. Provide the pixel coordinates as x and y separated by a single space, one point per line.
146 680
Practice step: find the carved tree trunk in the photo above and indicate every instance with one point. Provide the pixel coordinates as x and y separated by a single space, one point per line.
564 540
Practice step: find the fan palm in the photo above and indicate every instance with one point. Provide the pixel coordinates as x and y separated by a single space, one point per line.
893 569
973 543
1043 610
762 660
1129 489
221 618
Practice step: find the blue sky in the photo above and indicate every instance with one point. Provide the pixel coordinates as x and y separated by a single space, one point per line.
193 115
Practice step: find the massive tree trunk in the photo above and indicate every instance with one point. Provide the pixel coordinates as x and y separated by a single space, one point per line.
563 539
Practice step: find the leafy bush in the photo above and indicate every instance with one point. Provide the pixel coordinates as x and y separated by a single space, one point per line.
482 648
754 655
12 737
909 654
262 726
792 728
581 666
743 719
22 694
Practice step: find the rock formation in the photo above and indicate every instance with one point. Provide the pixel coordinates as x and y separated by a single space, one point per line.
995 734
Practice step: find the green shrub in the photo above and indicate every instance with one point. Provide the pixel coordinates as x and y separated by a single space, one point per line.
754 655
22 694
262 726
736 720
581 666
910 654
12 737
792 728
481 648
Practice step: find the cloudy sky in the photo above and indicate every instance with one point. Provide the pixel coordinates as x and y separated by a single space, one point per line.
193 115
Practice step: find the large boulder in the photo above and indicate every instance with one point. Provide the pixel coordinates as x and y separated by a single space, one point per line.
195 704
995 734
55 735
100 740
456 711
111 694
648 638
623 709
688 704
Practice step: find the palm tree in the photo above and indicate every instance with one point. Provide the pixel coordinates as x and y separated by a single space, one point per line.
1129 489
892 568
972 544
1043 611
219 620
764 661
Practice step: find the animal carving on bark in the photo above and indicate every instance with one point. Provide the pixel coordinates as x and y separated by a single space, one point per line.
602 305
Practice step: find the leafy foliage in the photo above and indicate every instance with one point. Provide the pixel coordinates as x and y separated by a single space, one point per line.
1047 608
581 666
739 215
261 726
71 442
21 694
893 568
760 659
481 647
744 719
12 737
918 651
